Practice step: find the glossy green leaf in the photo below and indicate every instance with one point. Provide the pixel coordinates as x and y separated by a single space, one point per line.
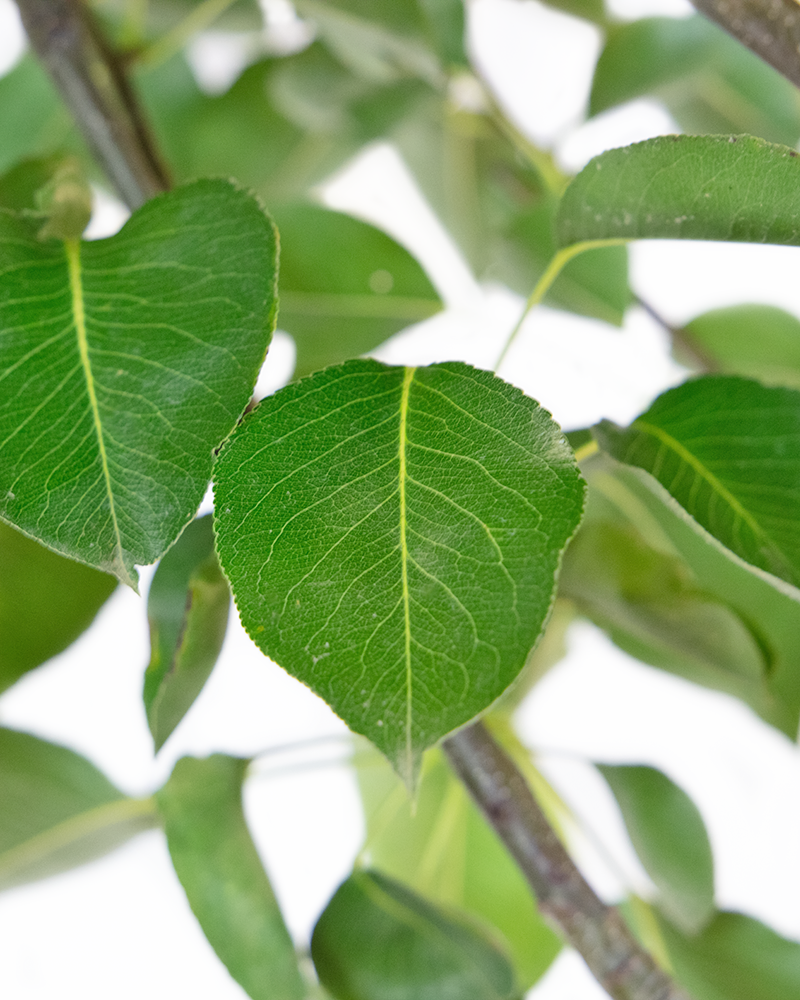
58 810
670 838
345 286
732 188
224 880
377 940
392 535
125 363
638 501
762 342
441 846
728 450
187 608
709 81
735 958
46 602
652 607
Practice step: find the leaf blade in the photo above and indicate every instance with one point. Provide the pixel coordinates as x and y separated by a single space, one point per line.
319 571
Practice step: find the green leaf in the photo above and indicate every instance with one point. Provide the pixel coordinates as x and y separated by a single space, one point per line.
58 810
345 287
187 607
33 120
640 503
377 940
392 536
46 602
709 81
670 838
447 28
652 607
441 846
728 450
732 188
762 342
224 880
735 958
125 363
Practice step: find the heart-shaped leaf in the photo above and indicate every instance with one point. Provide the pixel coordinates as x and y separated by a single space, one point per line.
187 607
392 537
728 450
688 187
46 601
58 810
226 885
125 362
378 940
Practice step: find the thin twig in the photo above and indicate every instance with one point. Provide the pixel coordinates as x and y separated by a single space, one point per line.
622 967
696 356
97 92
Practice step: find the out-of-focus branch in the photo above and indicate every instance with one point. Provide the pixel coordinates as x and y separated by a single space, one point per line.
97 92
622 967
771 28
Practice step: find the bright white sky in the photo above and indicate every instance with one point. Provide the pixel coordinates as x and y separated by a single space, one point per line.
121 927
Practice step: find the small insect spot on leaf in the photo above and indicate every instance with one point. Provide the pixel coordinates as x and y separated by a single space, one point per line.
381 282
260 628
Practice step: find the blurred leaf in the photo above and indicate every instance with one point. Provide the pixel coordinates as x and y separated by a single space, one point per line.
133 23
652 607
589 10
733 188
412 522
33 121
187 607
345 287
640 502
58 810
447 29
669 836
18 186
709 82
441 846
226 885
735 958
728 450
46 602
377 940
762 342
379 42
105 453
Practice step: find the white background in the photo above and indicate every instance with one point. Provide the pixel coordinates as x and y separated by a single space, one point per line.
120 927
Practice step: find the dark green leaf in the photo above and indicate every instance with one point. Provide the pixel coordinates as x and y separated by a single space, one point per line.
686 187
377 940
58 810
735 958
46 601
728 450
670 838
187 607
392 535
762 342
447 27
345 287
125 363
224 880
441 846
639 502
652 607
709 82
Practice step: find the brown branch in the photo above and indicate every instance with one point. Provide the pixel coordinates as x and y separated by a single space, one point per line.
97 92
622 967
771 28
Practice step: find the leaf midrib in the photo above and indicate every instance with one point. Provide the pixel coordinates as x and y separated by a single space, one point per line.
73 251
407 380
705 473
